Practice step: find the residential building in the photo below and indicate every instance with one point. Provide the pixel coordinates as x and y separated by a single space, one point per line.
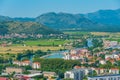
22 63
112 56
105 77
25 63
13 69
114 71
102 62
108 44
36 65
101 71
49 74
76 74
3 78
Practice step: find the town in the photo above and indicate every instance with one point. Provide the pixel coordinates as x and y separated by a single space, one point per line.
99 59
59 39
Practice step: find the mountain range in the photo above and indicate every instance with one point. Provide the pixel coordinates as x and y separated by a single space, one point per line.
102 20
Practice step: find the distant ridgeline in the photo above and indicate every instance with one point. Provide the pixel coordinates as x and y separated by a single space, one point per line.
102 20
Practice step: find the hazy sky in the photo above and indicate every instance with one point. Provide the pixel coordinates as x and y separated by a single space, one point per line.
33 8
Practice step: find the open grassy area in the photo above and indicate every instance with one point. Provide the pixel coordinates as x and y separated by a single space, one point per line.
50 42
100 33
110 34
113 39
18 49
42 44
76 32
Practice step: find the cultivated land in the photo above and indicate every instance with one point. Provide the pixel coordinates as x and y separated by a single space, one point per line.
19 49
55 44
44 45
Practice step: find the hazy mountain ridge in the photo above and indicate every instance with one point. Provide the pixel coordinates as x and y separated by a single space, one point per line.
102 20
108 17
64 20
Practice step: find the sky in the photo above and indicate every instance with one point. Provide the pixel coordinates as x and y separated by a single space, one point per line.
34 8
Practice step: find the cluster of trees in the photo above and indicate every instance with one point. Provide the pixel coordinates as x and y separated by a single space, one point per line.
3 60
3 29
97 45
57 65
78 44
30 53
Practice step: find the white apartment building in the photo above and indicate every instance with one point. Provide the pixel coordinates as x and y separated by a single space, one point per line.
106 77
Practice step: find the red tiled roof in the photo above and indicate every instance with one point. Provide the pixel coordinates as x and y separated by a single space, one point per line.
2 78
114 69
26 61
36 63
77 67
26 77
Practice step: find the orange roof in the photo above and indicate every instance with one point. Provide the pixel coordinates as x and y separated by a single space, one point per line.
77 67
2 78
108 58
118 59
114 69
112 61
36 63
26 61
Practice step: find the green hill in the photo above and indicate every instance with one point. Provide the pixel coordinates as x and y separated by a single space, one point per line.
25 27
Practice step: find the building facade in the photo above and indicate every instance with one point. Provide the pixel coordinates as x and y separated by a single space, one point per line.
105 77
76 74
13 69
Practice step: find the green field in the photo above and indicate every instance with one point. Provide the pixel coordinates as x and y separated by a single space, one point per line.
114 39
45 42
41 44
76 33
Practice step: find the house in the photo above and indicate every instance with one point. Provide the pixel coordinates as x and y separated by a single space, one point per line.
3 78
17 63
22 77
114 71
105 77
22 63
101 70
77 67
108 44
73 52
36 65
13 69
4 45
49 74
109 56
112 56
25 63
102 62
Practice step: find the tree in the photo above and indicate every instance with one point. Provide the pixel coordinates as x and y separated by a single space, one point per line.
19 56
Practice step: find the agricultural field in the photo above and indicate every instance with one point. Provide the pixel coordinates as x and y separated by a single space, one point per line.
76 33
110 34
55 44
42 44
113 39
45 42
19 49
